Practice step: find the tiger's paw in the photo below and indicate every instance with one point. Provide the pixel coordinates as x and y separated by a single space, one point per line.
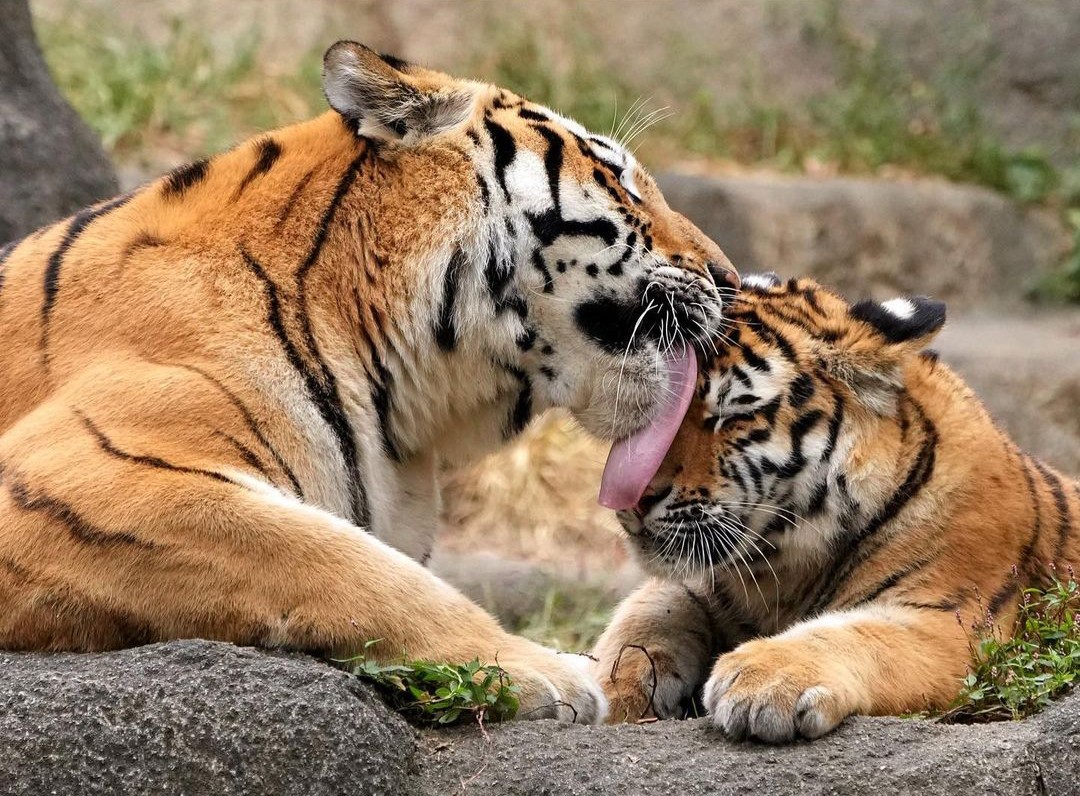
554 685
770 690
643 685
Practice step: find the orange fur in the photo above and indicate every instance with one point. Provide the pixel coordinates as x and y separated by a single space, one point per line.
225 395
855 500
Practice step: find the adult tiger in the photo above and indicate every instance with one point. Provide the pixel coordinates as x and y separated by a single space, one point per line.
835 499
224 394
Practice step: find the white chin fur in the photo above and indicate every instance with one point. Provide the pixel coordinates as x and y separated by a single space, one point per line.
625 400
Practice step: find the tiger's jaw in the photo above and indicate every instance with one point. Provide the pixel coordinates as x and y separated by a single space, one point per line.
695 539
613 341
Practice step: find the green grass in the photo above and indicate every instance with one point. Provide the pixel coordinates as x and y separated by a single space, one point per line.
1017 674
180 94
568 620
439 694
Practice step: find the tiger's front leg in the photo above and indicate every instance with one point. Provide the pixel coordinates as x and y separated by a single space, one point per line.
654 654
117 530
878 660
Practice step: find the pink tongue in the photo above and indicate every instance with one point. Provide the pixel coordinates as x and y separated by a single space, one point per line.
634 461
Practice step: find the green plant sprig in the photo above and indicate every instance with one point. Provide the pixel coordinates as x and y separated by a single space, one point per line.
1017 675
439 694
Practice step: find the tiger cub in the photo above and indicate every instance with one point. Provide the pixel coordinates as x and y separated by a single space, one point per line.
835 500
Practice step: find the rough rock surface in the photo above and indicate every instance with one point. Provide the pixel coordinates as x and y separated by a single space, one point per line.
196 717
193 717
50 163
877 238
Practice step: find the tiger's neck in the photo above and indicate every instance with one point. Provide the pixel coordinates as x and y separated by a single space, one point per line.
428 330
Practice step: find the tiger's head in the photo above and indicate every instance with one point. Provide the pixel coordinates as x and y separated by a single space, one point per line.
801 427
554 257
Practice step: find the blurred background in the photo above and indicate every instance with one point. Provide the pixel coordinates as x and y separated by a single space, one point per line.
882 147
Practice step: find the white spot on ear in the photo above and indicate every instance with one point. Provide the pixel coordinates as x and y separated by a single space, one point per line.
900 307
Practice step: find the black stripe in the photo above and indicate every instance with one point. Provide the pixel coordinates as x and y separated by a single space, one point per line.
553 160
180 179
329 398
79 222
245 453
801 390
382 399
497 275
770 335
445 329
147 461
835 424
946 605
799 429
755 476
522 409
505 150
794 315
399 64
818 498
859 546
315 390
1060 503
727 608
533 116
1024 564
143 240
17 571
290 203
539 264
753 360
596 228
890 582
733 473
252 424
485 192
269 152
601 178
79 528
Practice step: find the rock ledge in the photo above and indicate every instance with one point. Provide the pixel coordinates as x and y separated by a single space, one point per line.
197 717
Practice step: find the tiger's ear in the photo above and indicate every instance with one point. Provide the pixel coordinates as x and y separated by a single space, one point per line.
909 322
381 100
870 357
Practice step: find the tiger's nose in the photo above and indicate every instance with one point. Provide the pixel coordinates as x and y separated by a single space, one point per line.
723 274
650 499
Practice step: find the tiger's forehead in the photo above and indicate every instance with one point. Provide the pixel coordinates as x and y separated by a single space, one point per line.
604 148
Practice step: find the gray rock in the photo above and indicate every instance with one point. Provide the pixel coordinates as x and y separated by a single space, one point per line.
197 717
1026 369
51 164
876 238
193 717
864 756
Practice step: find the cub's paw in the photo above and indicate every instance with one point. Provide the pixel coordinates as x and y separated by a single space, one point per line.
554 685
642 684
771 690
